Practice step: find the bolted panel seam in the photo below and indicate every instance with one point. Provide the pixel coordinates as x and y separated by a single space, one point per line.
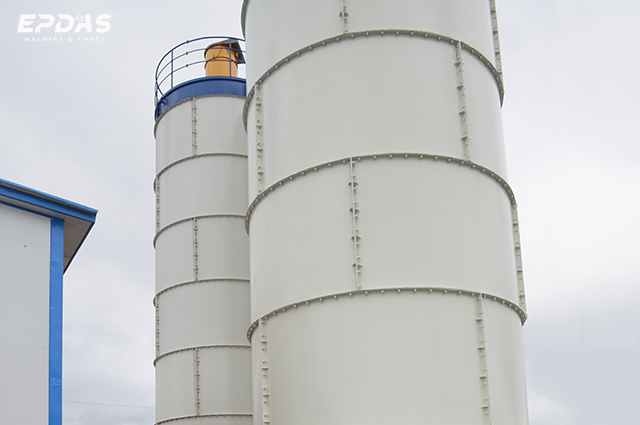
462 103
403 290
264 372
194 127
482 360
445 159
259 141
357 264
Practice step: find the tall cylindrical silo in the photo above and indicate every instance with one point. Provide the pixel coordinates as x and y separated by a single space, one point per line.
203 360
386 279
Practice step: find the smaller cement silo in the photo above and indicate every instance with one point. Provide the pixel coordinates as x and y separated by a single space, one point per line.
203 360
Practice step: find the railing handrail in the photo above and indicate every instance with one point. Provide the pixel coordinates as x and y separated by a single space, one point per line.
161 76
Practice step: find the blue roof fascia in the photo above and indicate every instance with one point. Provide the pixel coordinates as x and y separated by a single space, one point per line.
49 202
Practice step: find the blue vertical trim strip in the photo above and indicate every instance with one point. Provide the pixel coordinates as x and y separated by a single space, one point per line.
55 321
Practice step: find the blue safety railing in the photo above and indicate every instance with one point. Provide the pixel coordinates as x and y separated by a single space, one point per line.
180 64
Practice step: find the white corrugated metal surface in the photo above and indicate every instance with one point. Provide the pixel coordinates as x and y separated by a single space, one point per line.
385 257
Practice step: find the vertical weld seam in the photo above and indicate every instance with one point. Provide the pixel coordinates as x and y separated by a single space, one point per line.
344 15
482 353
259 140
496 37
195 248
157 328
157 205
354 224
196 380
264 371
194 127
462 103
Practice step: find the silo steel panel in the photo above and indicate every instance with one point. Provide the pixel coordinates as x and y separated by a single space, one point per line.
174 256
351 119
225 253
222 254
224 387
508 384
304 224
269 17
295 24
221 132
433 223
223 305
467 20
174 386
219 129
386 278
183 183
227 387
258 392
252 157
170 128
309 217
484 117
373 359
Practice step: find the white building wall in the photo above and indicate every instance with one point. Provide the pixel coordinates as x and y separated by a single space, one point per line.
24 316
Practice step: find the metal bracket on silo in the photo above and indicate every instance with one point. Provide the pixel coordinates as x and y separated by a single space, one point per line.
462 103
357 265
482 360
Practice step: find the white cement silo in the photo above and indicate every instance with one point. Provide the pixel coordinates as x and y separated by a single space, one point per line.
386 280
203 360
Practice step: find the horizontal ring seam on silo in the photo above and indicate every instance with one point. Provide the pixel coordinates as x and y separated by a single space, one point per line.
200 347
213 415
445 291
426 35
197 156
199 217
155 126
327 165
192 282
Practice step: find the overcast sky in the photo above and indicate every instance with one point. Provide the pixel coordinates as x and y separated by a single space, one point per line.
76 121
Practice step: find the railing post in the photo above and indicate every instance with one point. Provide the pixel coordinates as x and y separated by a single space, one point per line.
231 52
